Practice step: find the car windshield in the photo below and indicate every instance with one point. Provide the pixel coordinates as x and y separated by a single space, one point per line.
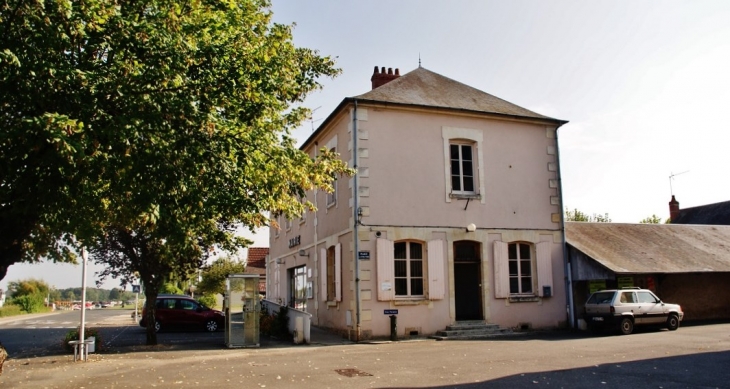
601 298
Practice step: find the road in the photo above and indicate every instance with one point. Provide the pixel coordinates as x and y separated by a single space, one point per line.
692 357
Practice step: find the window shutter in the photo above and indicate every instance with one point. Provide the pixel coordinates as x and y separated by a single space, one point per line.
435 269
338 272
386 289
544 267
323 281
501 270
277 294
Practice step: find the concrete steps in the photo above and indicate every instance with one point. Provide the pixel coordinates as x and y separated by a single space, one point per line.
471 330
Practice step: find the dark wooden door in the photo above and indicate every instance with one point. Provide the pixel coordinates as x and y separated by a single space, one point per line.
468 290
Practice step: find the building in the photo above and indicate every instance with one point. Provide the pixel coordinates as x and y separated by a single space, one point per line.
711 214
684 264
454 214
256 264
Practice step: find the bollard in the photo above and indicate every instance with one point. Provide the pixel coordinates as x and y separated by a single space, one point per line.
393 328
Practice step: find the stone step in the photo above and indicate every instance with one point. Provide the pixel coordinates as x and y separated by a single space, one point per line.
471 330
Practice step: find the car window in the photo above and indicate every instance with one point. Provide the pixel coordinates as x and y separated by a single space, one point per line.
166 304
646 297
601 298
188 305
628 297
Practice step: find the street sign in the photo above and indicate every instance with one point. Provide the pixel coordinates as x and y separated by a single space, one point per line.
363 255
390 312
135 288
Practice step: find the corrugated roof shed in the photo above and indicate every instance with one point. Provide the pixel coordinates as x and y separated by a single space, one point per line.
653 248
713 214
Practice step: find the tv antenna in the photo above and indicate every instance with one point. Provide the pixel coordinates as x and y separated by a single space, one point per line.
311 117
671 177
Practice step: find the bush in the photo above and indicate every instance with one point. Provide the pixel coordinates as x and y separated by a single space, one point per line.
275 324
30 303
88 332
10 310
208 300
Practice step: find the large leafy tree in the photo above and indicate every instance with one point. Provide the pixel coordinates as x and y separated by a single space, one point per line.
161 125
214 276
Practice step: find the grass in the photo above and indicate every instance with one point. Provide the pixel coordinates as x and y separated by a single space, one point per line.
13 310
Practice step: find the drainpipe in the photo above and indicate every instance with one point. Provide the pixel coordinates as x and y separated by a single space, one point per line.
568 270
356 230
318 285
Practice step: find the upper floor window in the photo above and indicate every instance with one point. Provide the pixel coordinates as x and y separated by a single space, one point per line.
287 223
408 269
462 168
332 197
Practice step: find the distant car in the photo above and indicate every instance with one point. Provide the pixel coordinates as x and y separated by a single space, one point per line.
179 311
76 307
106 304
626 308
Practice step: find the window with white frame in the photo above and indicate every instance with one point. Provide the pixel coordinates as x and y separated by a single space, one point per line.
462 168
332 197
408 269
523 269
520 268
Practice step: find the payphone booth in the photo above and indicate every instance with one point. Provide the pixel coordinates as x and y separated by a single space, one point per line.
242 308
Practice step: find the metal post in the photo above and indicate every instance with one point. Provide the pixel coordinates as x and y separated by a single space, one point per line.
82 345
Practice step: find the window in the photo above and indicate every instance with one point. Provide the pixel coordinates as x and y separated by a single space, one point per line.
408 269
331 273
463 163
287 223
520 267
298 288
332 197
331 277
462 168
188 305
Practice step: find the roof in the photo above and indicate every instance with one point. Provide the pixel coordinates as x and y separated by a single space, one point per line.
426 89
257 257
653 248
713 214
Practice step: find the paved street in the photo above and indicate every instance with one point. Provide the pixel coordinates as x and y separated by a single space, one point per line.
692 357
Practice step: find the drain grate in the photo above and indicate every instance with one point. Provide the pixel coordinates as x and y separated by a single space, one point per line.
352 373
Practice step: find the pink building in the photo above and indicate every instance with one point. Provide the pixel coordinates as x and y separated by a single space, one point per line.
454 215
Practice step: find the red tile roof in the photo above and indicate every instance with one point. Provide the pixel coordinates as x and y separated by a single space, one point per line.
257 257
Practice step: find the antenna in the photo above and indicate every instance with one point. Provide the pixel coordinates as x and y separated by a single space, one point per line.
311 117
419 59
671 177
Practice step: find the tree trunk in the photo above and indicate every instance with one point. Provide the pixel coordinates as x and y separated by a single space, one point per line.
150 292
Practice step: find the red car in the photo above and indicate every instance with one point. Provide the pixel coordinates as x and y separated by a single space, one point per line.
178 311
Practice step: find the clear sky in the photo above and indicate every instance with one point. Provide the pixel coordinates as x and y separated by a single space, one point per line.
645 86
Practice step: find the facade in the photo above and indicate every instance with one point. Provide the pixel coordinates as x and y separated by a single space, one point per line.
687 265
454 214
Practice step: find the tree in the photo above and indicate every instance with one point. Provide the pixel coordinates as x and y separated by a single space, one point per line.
115 294
577 216
149 131
653 219
214 276
28 287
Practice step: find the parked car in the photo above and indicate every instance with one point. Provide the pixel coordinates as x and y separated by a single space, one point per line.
626 308
179 311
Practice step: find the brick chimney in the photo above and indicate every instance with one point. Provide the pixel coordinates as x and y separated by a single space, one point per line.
380 77
673 209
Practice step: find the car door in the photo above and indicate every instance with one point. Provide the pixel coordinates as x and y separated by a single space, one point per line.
190 315
630 305
652 308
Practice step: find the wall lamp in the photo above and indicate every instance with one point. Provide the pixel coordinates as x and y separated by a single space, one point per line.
471 227
303 253
359 215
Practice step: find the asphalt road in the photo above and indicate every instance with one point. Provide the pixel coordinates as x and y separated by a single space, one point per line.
692 357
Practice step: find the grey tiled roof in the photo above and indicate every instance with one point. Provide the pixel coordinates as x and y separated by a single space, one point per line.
712 214
422 87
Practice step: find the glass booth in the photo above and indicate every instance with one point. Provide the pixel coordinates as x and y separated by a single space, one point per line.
242 308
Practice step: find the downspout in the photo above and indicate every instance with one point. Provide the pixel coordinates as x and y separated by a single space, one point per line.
568 270
316 262
356 230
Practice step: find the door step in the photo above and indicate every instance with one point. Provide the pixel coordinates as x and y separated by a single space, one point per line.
471 330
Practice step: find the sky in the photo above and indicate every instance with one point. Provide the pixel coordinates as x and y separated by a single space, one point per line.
645 86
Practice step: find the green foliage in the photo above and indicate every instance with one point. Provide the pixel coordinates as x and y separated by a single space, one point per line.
10 310
88 332
275 324
208 300
170 288
28 287
30 303
653 219
214 276
577 216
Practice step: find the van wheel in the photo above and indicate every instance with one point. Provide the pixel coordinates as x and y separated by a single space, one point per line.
211 326
627 326
672 322
157 326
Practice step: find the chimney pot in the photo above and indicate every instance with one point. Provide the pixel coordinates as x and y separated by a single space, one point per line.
397 72
382 70
390 70
375 71
383 76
